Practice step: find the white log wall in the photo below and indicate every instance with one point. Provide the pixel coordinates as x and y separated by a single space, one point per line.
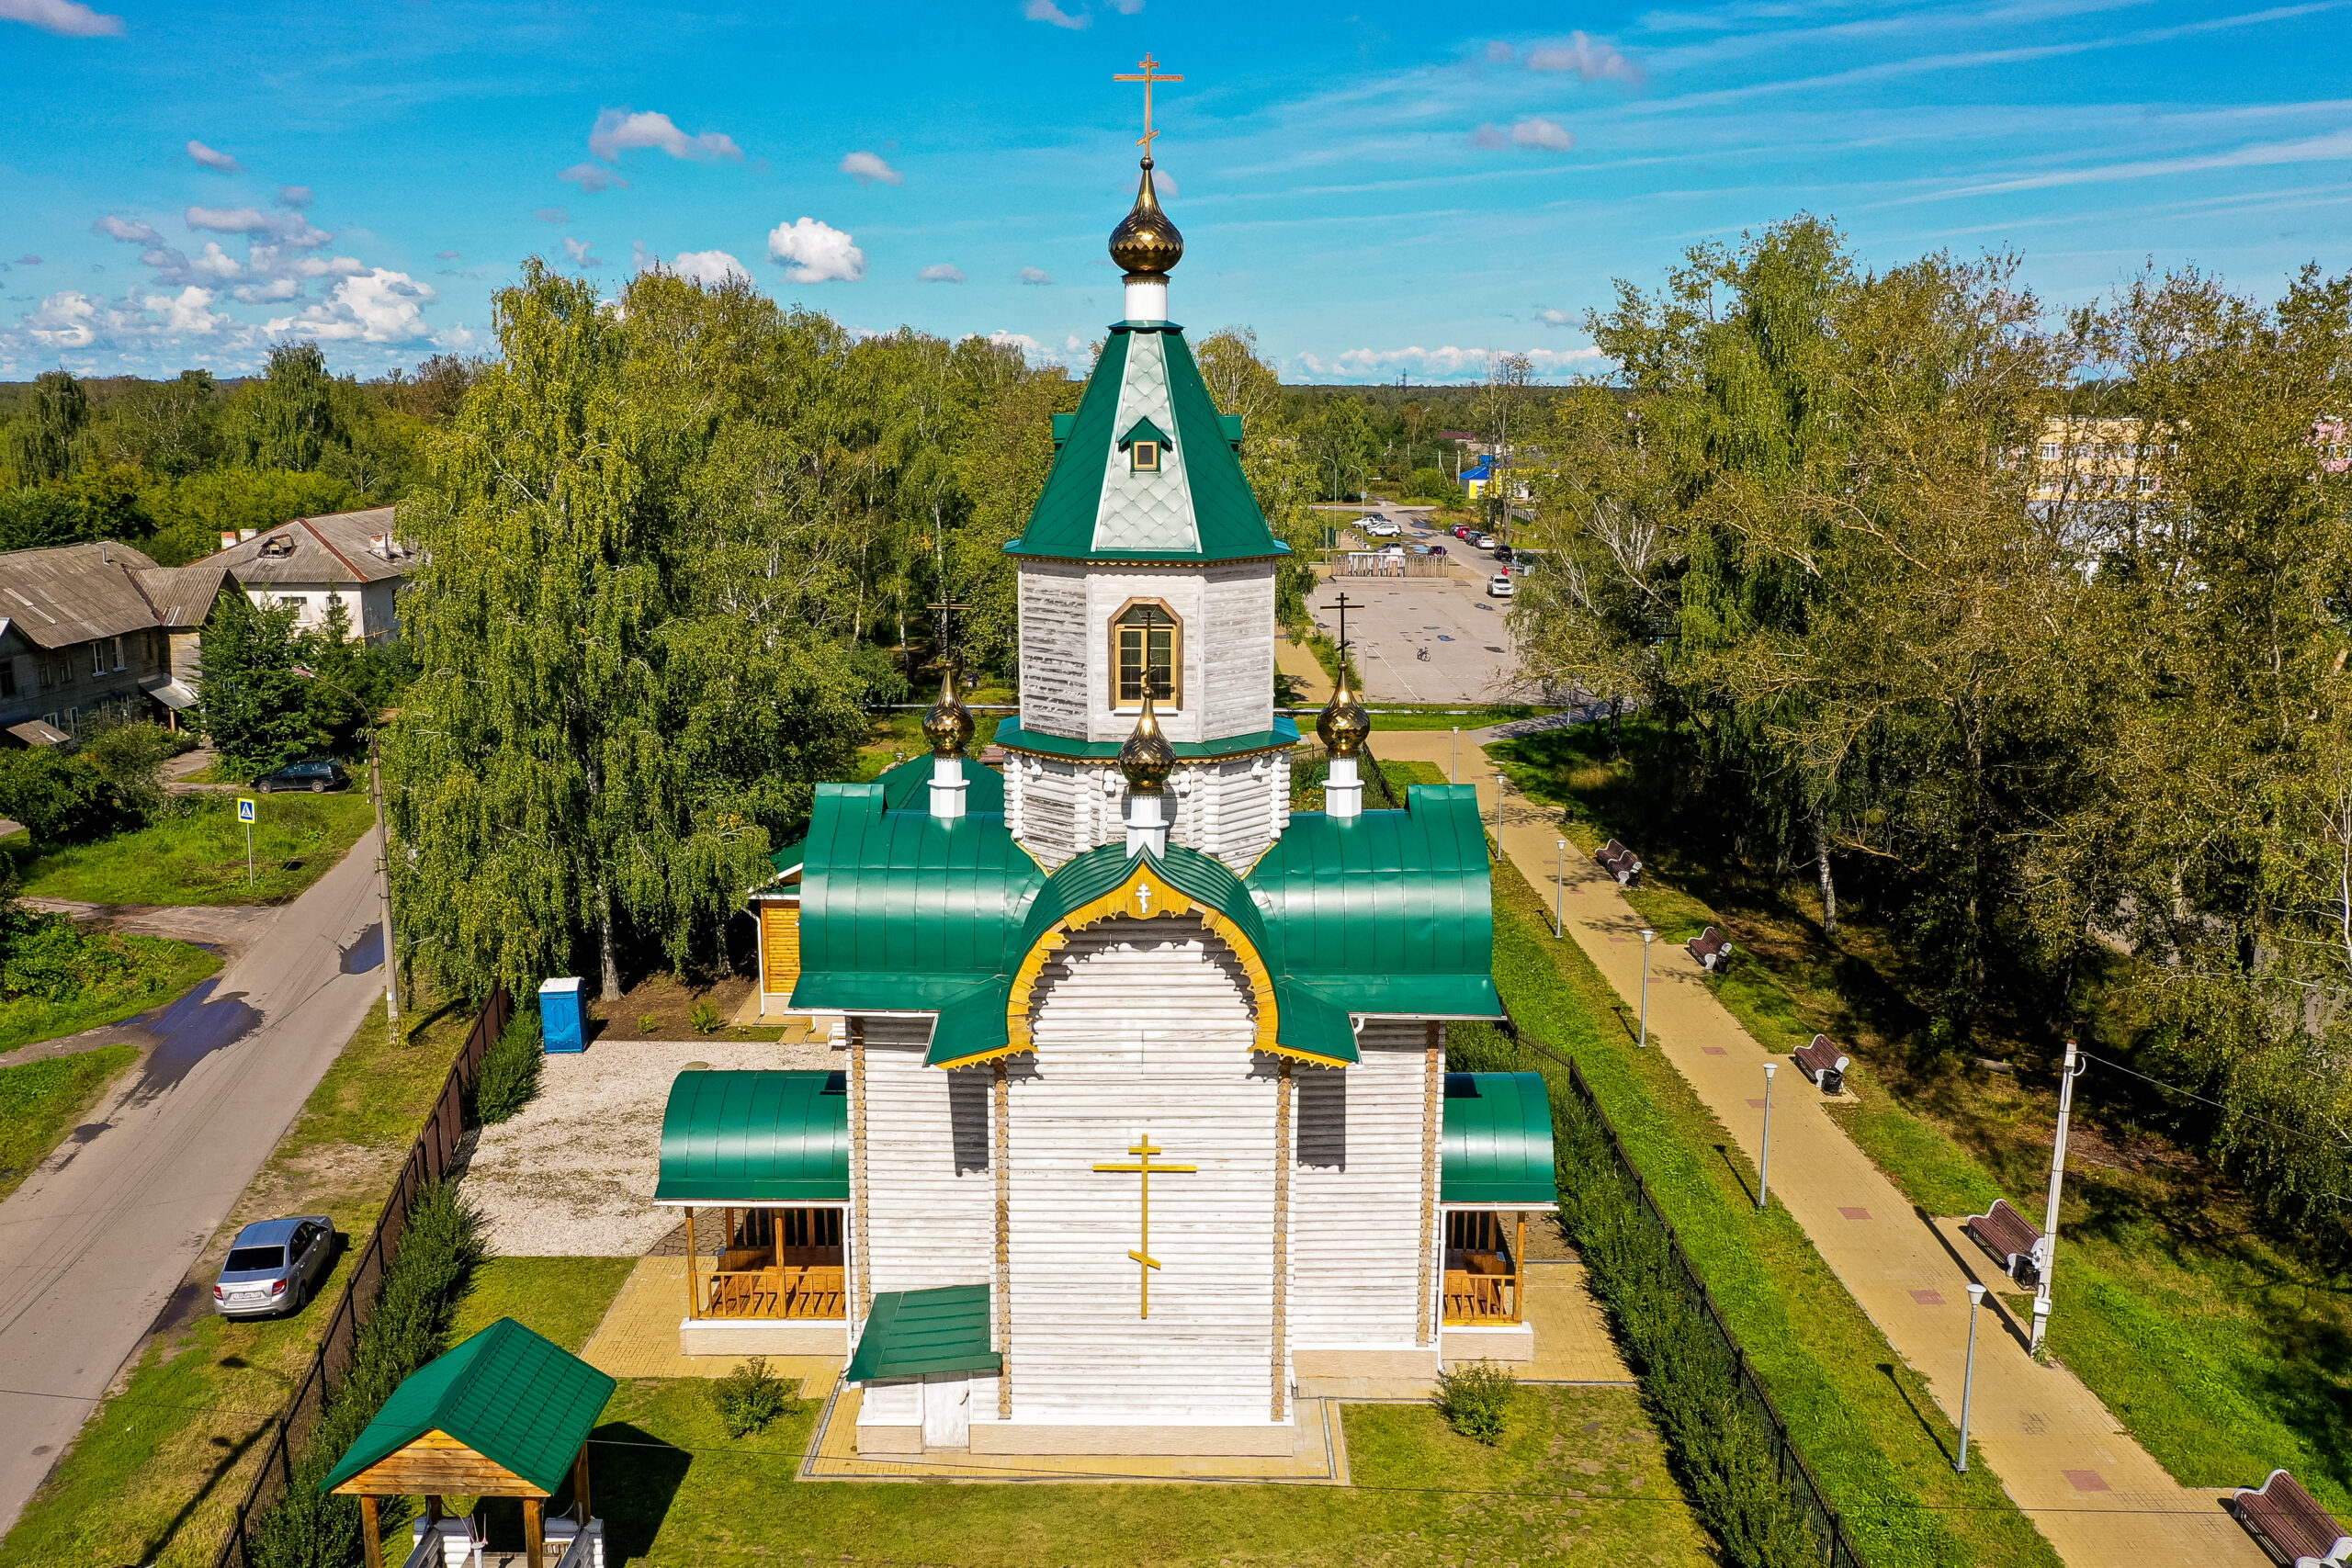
1355 1270
1237 613
1143 1026
930 1197
1054 657
1231 808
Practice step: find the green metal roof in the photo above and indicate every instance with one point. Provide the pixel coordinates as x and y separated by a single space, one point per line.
755 1137
1196 507
907 788
1143 430
1498 1139
910 1332
521 1401
1388 911
1013 738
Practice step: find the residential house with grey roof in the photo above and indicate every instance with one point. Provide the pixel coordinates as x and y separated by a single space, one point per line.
94 632
312 561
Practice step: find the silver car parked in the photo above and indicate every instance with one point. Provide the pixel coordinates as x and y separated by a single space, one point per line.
274 1266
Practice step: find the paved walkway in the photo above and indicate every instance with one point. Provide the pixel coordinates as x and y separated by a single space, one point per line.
96 1241
2097 1495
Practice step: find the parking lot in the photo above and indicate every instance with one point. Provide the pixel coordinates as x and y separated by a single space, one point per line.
1465 633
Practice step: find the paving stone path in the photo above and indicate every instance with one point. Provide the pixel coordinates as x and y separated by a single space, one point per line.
2099 1497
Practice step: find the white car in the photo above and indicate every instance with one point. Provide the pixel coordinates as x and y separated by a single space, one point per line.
1498 588
1381 528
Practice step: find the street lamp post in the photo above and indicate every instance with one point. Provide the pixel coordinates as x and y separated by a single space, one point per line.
1649 936
383 843
1559 889
1764 1164
2046 1249
1968 1378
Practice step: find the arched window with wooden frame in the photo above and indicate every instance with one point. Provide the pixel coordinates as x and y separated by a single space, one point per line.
1147 643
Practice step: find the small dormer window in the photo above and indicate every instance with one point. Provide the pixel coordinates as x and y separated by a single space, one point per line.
1145 456
1146 446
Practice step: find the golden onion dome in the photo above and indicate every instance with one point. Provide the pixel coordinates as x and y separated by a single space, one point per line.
948 724
1146 758
1343 724
1146 242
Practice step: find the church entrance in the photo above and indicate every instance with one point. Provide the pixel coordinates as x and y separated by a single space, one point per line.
1482 1272
772 1263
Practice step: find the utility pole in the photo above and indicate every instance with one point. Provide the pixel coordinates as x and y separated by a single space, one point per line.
2045 1264
384 877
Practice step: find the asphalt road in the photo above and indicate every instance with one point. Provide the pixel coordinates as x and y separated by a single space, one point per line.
94 1244
1463 631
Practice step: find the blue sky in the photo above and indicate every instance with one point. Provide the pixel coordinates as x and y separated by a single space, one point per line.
1375 190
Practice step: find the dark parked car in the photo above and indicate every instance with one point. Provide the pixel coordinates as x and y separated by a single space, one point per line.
314 775
274 1266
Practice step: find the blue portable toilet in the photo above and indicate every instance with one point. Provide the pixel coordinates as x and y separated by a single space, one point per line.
562 1028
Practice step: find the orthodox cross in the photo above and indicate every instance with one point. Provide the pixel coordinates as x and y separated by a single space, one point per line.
1147 65
1343 606
943 609
1142 1148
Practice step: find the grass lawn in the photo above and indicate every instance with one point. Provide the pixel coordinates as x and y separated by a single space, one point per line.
563 1297
2222 1350
154 1475
200 858
160 972
39 1100
1862 1419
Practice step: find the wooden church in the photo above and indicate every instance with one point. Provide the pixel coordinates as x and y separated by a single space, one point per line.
1141 1129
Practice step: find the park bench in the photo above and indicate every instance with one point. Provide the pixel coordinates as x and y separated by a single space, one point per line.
1621 863
2007 1236
2291 1526
1823 1064
1711 949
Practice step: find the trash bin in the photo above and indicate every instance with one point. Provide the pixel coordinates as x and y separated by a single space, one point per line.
562 1026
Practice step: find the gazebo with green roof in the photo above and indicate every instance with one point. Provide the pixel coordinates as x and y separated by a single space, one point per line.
506 1414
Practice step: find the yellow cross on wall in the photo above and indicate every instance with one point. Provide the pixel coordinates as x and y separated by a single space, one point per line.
1142 1148
1147 65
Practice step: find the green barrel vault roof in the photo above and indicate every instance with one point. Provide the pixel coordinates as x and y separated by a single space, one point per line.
1497 1140
910 1332
755 1137
521 1401
1071 519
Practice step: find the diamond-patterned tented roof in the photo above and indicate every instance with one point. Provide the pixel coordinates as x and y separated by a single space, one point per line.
1196 506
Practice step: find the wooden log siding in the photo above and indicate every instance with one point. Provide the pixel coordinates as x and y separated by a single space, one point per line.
1054 646
1358 1191
930 1188
1284 1106
1000 1298
1432 1113
1152 1036
1237 636
862 1292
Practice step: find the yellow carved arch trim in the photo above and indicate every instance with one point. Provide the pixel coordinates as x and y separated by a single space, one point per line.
1145 895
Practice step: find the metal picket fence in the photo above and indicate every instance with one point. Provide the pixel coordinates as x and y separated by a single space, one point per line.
1838 1549
428 1161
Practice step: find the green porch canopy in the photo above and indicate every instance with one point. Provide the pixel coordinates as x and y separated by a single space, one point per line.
755 1137
910 1332
1497 1140
521 1401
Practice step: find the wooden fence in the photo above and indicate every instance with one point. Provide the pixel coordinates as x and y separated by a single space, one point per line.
428 1161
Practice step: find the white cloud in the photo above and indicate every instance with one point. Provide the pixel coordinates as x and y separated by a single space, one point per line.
1500 53
819 253
1446 361
618 130
453 337
212 159
127 230
189 311
1036 276
1047 11
1556 318
65 321
1490 138
1030 349
1162 181
1590 61
552 215
940 272
381 307
641 257
867 168
1535 132
314 266
593 179
1127 8
581 253
277 291
67 18
446 255
709 268
287 229
294 195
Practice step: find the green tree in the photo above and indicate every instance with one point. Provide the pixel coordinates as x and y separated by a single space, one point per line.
254 709
46 440
291 418
171 428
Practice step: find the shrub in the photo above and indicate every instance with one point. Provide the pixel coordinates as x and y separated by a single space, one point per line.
1476 1401
706 1017
59 797
647 1023
750 1396
510 1070
1480 1048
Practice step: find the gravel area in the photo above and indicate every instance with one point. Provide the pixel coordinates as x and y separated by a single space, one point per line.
572 1176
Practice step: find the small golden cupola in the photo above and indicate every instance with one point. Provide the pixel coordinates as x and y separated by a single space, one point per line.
949 726
1344 726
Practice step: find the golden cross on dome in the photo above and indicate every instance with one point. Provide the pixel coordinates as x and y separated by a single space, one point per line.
1143 1149
1148 66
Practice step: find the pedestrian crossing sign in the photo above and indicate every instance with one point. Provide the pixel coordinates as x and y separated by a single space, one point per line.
245 809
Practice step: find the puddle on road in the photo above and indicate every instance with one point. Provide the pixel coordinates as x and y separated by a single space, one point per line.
365 952
188 1030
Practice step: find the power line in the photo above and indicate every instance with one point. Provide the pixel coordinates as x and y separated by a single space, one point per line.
2337 1144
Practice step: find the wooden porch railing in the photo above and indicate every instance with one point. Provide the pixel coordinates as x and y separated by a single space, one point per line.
793 1291
1481 1287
